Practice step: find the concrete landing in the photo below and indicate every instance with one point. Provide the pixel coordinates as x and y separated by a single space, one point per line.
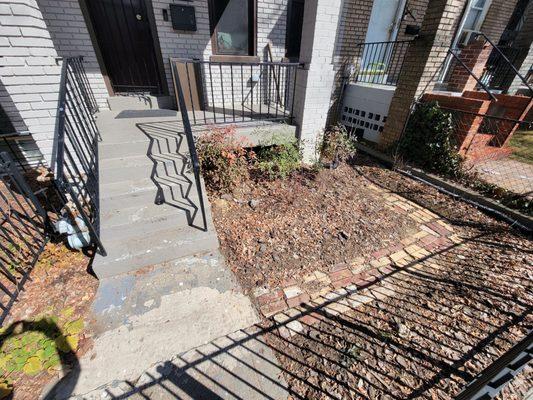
155 314
239 365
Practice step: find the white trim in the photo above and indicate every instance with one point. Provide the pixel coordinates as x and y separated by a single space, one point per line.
461 29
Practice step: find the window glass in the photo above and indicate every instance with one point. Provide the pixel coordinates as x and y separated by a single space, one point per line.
231 26
471 19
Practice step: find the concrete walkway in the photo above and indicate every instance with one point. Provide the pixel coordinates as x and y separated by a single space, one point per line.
157 314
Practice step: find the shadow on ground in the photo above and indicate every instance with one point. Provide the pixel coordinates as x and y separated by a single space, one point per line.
172 171
423 331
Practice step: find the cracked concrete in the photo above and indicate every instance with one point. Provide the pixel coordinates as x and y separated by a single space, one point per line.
153 315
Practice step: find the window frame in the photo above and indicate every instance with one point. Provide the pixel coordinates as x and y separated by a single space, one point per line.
252 35
478 23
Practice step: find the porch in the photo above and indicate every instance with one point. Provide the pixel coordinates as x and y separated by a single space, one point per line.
153 206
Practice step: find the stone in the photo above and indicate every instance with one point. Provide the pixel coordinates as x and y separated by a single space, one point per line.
253 203
292 291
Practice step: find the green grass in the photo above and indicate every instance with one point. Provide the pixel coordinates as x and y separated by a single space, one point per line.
522 143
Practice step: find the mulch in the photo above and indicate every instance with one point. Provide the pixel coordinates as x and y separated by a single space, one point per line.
272 232
44 332
444 324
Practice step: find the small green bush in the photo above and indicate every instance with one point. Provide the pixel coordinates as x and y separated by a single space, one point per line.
429 140
337 146
278 161
223 159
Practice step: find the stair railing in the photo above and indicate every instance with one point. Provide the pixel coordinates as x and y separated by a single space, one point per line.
76 151
193 155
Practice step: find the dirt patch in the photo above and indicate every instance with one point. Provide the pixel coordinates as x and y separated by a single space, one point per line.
443 318
446 321
45 332
273 232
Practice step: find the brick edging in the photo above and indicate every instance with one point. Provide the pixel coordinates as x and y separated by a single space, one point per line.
434 234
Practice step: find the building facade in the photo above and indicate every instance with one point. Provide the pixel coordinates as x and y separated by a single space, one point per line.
127 47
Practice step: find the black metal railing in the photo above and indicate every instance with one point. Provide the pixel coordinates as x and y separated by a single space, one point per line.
498 73
76 152
193 161
380 62
23 232
236 92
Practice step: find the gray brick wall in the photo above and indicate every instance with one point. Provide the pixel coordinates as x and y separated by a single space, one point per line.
497 17
70 36
29 74
424 58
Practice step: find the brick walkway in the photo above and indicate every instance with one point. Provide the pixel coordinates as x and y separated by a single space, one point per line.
434 234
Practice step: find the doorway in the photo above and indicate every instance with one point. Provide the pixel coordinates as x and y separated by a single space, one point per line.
295 19
383 25
126 42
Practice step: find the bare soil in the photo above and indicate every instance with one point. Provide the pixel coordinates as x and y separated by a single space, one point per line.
271 232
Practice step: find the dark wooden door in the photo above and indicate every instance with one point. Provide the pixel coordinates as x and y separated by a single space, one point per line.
125 39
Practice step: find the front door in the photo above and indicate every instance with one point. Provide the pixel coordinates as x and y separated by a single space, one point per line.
382 28
125 40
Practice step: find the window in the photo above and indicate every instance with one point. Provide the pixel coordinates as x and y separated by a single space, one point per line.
472 20
233 27
293 35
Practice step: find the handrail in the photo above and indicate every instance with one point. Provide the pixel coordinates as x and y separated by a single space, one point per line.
76 151
190 142
485 88
385 42
507 60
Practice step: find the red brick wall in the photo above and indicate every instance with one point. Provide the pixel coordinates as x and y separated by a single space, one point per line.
475 56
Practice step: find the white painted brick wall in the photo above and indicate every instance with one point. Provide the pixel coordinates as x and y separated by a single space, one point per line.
271 27
70 36
314 85
33 35
28 72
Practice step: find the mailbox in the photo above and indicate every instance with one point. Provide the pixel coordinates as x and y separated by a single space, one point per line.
183 17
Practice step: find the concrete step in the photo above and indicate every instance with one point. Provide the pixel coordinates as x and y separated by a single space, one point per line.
149 219
131 253
177 184
176 196
116 170
110 151
139 102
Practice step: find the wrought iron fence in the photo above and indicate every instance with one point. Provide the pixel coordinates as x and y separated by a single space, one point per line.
23 232
498 73
76 156
236 92
380 62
